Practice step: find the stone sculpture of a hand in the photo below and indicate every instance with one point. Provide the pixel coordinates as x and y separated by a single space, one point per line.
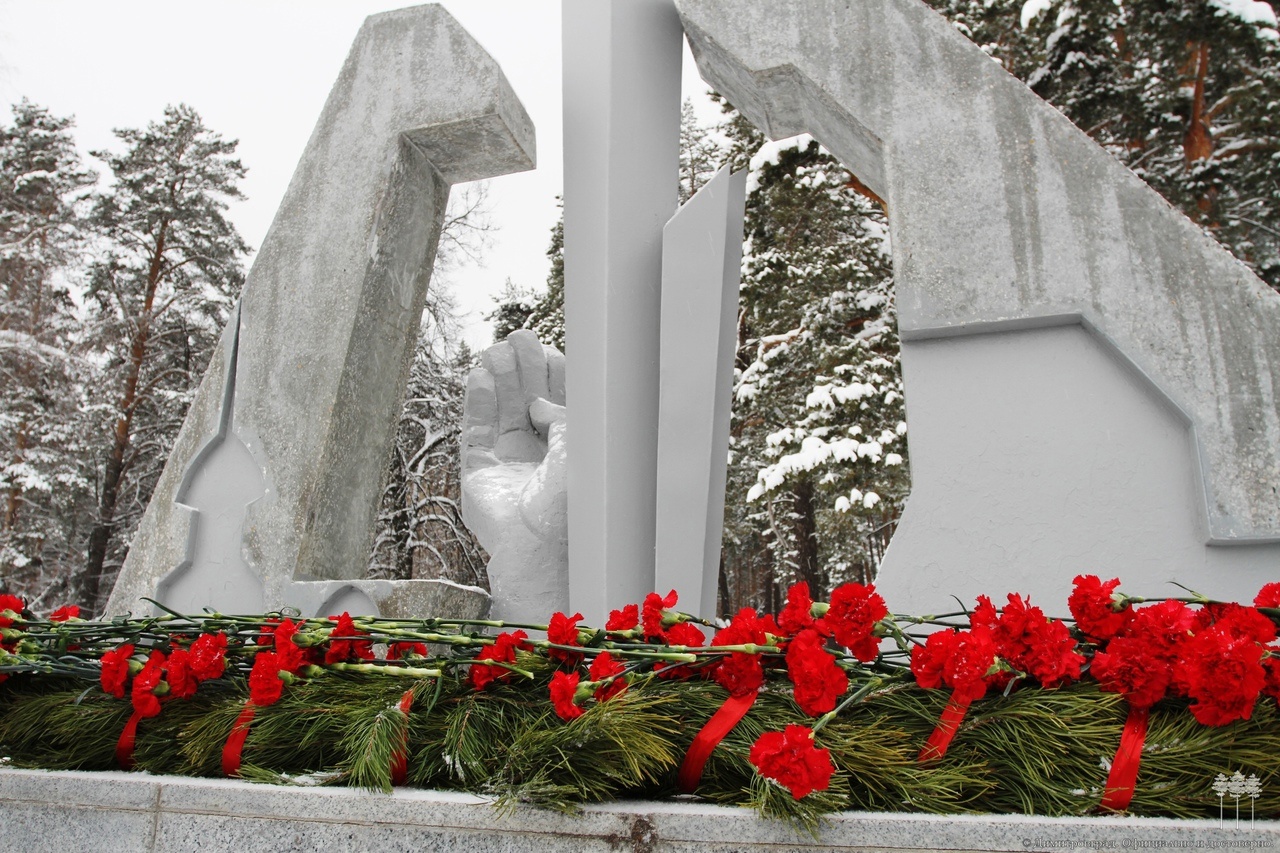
514 475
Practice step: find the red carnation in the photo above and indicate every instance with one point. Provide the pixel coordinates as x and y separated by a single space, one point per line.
798 614
1272 664
741 673
265 684
178 673
604 666
1223 674
289 657
1237 621
685 634
1132 667
1164 627
1268 596
399 651
10 603
855 610
651 612
563 631
623 620
208 656
115 670
564 685
503 650
345 643
1053 660
790 759
1100 612
62 614
1030 641
819 681
145 702
680 634
960 660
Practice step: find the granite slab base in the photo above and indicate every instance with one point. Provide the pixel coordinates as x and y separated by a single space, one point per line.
126 812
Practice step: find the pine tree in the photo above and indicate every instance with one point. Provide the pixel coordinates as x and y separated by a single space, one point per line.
42 480
818 450
420 533
1184 92
547 317
162 286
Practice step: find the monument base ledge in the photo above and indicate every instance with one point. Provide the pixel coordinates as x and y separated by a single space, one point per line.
59 811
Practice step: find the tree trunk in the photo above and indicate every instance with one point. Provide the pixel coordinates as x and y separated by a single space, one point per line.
1198 143
15 491
805 532
104 526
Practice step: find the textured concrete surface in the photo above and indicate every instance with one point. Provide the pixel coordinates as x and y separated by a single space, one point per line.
514 475
701 257
54 812
330 312
1005 217
621 155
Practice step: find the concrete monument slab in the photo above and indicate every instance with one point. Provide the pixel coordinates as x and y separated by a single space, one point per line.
1034 274
309 378
701 258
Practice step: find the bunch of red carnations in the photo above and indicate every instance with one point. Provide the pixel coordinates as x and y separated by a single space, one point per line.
814 645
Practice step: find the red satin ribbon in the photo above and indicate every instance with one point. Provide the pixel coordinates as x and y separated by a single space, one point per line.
124 746
235 741
1124 769
948 724
400 758
720 724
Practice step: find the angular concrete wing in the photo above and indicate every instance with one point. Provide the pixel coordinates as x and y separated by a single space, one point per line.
316 367
1092 383
701 273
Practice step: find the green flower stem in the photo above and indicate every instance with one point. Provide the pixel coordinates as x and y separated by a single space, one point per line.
375 669
500 664
857 696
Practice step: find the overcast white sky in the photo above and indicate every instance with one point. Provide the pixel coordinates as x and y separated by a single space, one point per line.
259 71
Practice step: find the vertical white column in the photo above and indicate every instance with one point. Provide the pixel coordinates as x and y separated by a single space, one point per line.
621 148
701 257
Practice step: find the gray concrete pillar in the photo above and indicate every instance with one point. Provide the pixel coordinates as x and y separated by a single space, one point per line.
621 150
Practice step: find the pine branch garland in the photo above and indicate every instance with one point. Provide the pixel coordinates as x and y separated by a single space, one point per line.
598 715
